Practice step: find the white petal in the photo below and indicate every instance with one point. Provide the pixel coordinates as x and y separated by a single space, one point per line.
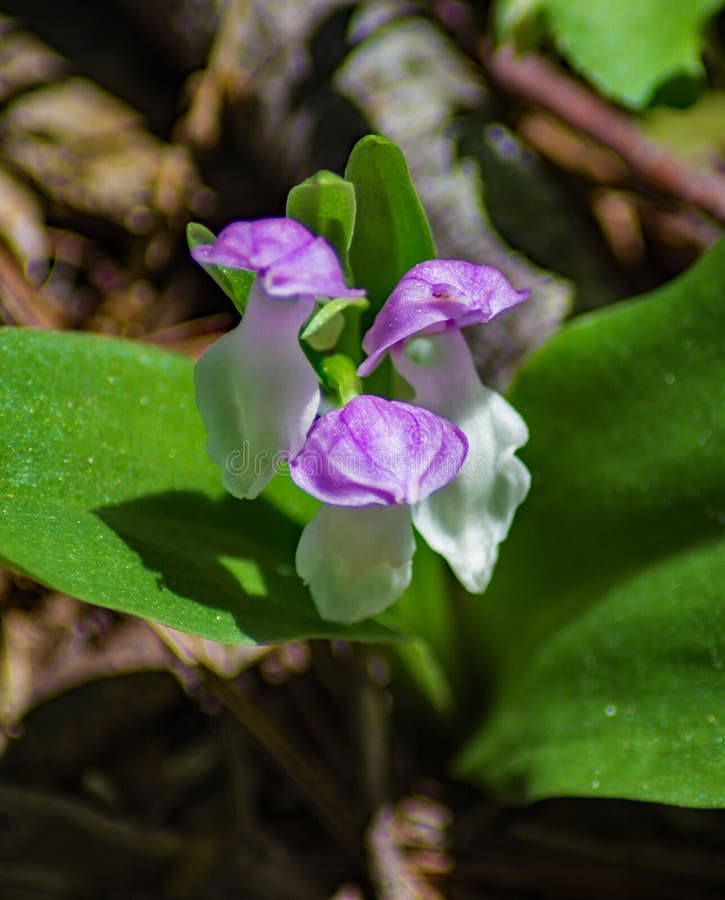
467 520
356 561
257 392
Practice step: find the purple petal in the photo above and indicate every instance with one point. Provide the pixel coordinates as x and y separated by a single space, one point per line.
432 294
377 451
290 259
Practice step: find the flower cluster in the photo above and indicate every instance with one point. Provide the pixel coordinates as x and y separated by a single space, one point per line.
443 463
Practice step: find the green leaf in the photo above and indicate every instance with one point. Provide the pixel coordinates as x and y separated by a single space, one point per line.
234 282
605 615
325 203
328 311
626 701
635 53
108 496
391 232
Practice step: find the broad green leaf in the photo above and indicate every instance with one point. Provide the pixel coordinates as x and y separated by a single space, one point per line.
325 203
606 615
626 701
391 232
635 53
107 495
234 282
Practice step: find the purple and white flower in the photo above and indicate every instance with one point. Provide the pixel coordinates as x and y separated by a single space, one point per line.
420 326
256 391
430 296
370 463
444 463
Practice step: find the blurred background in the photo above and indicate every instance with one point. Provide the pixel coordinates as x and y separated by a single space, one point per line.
130 766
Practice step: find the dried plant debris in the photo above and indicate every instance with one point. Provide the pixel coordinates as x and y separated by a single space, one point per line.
88 151
225 660
181 28
277 58
22 220
73 155
407 845
58 644
50 644
223 80
25 60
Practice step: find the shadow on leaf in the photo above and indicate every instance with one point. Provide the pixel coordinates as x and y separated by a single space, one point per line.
222 556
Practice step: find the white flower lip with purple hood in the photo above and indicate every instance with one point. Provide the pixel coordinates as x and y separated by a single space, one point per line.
420 326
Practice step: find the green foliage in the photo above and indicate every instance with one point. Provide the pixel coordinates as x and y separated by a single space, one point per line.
391 233
603 631
108 496
635 53
327 312
325 203
606 611
234 282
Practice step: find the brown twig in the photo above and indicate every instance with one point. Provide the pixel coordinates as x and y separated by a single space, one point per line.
313 783
131 836
222 80
540 81
22 303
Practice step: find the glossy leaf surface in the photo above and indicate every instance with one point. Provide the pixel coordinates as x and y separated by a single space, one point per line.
392 233
108 495
607 611
632 52
325 203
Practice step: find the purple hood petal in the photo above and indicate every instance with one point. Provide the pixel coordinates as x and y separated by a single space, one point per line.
377 451
434 293
290 259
